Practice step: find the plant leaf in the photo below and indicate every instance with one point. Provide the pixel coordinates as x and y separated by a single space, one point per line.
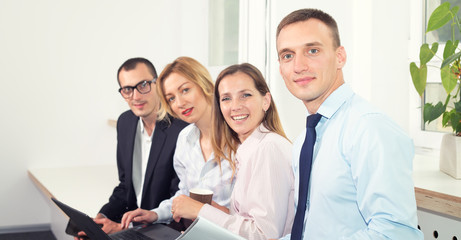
446 117
431 112
454 10
458 106
455 121
439 17
449 79
449 49
450 59
426 54
419 77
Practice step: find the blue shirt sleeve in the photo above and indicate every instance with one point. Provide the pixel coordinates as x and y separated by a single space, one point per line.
381 167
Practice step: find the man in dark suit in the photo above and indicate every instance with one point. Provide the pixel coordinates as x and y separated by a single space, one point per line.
145 147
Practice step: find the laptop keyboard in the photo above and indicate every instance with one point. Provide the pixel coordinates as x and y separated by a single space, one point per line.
129 235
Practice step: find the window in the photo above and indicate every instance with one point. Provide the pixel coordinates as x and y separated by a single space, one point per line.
223 32
435 93
443 34
434 90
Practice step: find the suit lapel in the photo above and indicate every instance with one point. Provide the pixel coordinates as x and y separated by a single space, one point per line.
158 140
131 135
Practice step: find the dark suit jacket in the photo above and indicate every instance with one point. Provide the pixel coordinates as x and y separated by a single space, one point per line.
160 182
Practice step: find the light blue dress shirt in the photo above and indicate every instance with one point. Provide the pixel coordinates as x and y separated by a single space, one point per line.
361 184
194 172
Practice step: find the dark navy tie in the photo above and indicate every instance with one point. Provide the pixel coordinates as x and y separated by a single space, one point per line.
305 163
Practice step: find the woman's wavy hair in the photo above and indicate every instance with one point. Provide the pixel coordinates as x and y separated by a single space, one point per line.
225 140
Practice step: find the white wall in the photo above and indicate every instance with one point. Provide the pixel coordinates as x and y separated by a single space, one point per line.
58 61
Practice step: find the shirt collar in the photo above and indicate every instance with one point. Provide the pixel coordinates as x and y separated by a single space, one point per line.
193 135
143 130
254 138
335 100
141 125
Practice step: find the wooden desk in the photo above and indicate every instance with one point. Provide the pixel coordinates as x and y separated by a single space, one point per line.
85 188
435 190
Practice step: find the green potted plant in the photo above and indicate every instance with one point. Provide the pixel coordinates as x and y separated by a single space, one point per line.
450 71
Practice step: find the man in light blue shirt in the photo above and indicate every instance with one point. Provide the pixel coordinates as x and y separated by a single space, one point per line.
361 183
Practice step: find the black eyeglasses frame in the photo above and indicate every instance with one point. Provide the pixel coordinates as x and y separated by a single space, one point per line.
136 87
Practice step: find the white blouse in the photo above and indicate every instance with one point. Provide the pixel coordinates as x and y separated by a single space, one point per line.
194 172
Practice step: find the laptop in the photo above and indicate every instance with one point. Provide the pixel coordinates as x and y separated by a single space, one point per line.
94 231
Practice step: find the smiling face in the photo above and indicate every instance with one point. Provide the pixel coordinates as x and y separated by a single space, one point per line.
310 64
242 105
142 105
185 98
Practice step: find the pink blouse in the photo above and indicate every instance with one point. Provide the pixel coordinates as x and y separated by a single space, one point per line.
262 204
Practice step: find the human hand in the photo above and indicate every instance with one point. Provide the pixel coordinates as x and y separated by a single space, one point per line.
222 208
108 226
81 236
185 207
138 215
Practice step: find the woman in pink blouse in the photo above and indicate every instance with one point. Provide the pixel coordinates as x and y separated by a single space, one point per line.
247 132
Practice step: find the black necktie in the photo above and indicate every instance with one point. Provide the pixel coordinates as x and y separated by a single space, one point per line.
305 162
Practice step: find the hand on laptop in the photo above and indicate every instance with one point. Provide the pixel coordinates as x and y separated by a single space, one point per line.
108 226
185 207
81 236
138 215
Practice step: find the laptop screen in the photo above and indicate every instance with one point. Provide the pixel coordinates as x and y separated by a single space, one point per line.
92 230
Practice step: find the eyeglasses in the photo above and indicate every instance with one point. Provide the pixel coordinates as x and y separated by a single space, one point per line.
143 87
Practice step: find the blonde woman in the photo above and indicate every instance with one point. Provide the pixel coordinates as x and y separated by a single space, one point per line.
186 92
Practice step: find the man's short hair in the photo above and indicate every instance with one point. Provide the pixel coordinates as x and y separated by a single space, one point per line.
305 14
131 64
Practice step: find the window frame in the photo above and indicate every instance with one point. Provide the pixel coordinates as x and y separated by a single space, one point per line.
423 140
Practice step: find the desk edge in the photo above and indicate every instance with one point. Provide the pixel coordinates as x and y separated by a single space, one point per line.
438 202
42 188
